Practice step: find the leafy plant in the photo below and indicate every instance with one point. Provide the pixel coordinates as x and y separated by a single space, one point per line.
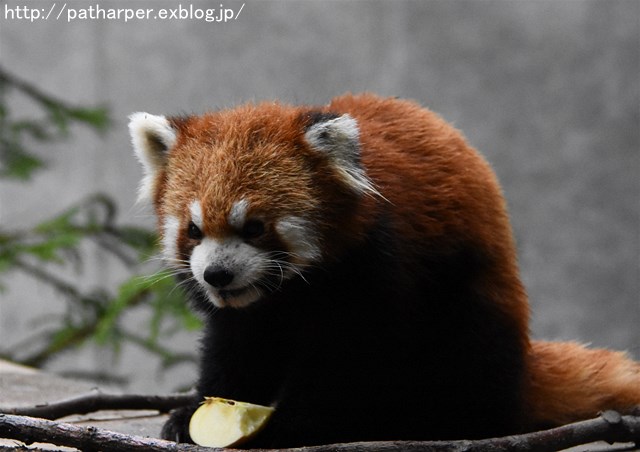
16 161
94 315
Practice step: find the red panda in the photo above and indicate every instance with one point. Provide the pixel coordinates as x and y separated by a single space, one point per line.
355 267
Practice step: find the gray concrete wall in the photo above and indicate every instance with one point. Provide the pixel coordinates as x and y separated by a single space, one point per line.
547 90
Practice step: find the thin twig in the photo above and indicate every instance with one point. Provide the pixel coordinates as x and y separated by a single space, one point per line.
97 401
42 275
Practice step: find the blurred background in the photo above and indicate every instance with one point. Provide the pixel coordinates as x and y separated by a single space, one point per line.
548 91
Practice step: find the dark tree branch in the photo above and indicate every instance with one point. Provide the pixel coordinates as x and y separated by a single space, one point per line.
97 401
30 430
610 426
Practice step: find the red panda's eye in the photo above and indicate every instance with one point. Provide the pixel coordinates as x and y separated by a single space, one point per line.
253 229
194 231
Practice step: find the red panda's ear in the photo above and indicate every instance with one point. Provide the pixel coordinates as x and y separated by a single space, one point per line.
338 138
152 137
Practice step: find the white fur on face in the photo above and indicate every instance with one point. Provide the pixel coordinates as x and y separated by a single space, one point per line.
246 262
255 270
238 214
170 230
196 214
232 254
298 235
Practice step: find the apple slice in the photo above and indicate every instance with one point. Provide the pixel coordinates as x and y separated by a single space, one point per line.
224 423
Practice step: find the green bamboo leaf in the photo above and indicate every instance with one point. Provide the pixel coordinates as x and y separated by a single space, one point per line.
7 260
143 240
190 321
16 163
58 224
98 118
49 249
129 294
169 307
35 129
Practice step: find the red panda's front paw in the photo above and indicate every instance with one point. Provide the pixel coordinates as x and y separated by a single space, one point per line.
177 427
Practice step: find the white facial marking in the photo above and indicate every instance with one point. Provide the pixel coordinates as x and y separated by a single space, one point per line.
298 234
238 214
254 270
170 229
196 213
246 263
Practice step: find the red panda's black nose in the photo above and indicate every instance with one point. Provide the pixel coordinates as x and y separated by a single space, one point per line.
218 277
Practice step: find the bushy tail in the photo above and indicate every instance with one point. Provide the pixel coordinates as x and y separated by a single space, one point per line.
569 382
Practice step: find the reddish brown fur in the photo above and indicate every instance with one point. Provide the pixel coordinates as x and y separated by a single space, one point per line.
568 382
211 151
446 204
457 199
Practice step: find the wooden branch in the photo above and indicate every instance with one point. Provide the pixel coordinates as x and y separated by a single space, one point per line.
610 427
97 401
30 430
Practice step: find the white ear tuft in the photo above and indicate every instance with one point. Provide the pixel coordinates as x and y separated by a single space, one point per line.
152 137
339 138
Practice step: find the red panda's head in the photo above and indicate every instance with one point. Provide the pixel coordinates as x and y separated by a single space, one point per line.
249 198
